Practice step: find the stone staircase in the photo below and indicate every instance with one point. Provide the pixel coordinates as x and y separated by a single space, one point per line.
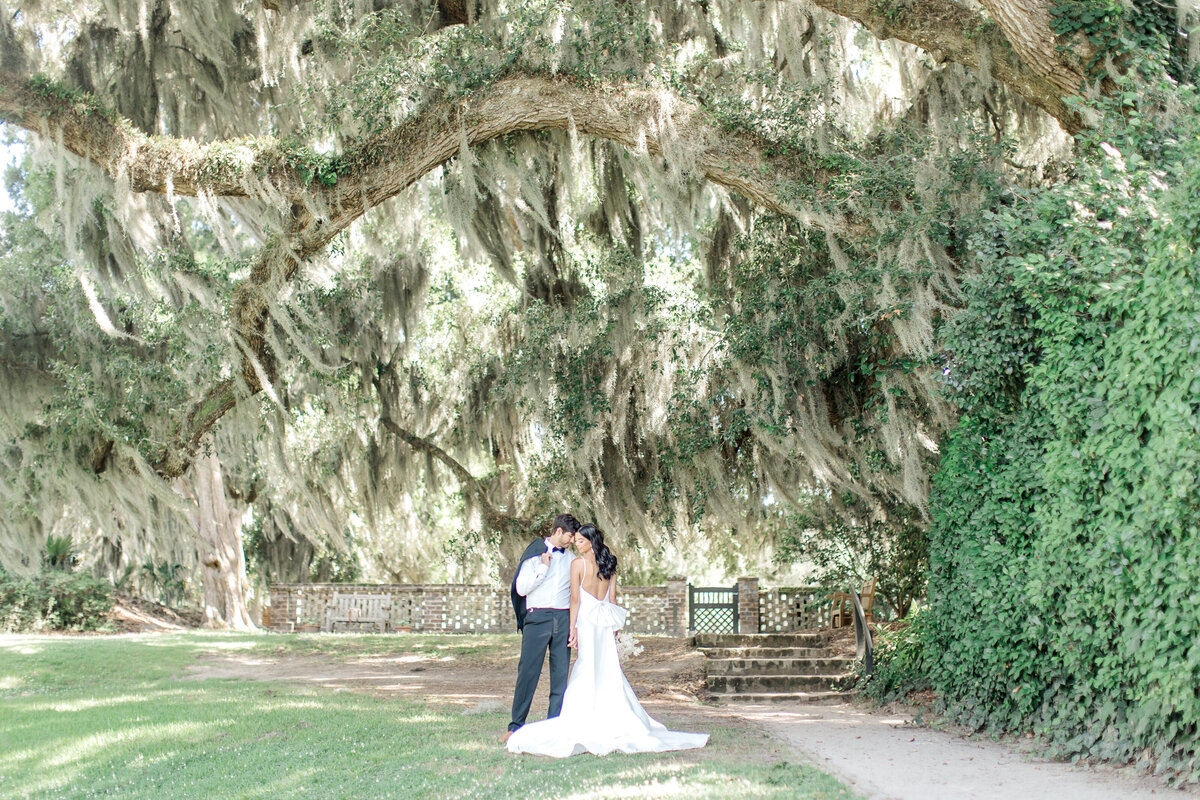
774 667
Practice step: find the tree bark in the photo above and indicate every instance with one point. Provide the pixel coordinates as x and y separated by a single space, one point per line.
1026 26
218 527
377 169
1015 47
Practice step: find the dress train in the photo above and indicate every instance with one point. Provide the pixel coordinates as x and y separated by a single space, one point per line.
600 712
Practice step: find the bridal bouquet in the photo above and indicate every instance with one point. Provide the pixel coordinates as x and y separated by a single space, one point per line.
627 646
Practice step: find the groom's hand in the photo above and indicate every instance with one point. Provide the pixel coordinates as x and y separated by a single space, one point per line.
546 558
572 637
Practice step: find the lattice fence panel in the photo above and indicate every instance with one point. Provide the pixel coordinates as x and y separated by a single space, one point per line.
405 610
715 620
714 609
310 606
447 608
792 608
470 609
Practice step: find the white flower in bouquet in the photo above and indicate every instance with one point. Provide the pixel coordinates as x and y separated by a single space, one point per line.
627 646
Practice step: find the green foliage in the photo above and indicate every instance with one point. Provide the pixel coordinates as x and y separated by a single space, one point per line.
59 553
902 660
311 165
167 580
1065 547
61 97
275 556
1116 30
54 601
854 543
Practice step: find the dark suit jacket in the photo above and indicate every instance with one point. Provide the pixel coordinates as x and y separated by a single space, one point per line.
536 548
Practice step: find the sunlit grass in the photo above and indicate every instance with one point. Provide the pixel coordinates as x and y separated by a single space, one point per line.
459 647
111 717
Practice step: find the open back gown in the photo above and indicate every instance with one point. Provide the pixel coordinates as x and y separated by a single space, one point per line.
600 712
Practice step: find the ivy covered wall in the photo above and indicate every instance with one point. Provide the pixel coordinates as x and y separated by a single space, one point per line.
1065 544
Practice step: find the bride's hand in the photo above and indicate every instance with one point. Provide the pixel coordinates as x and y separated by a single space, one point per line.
572 638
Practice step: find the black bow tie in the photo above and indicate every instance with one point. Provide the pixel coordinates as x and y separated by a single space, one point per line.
559 550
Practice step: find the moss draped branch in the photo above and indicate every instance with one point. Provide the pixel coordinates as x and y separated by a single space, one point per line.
1014 46
1011 46
492 517
374 170
90 130
377 168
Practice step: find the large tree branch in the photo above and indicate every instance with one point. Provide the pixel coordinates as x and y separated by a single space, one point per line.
83 126
378 168
650 120
1027 27
1017 49
383 166
249 313
492 517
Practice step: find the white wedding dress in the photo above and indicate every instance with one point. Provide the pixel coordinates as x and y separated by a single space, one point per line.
600 713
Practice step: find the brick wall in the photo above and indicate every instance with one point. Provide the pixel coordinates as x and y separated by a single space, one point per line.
463 608
457 608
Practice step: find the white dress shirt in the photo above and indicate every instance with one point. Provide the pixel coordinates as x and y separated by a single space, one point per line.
546 585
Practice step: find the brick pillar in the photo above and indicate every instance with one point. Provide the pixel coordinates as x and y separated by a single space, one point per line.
677 606
747 605
434 620
276 601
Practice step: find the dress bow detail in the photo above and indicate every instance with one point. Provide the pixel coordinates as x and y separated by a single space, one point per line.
603 614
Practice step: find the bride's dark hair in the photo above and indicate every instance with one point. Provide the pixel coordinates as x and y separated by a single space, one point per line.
606 562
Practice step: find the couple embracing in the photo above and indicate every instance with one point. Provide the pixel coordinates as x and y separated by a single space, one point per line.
566 601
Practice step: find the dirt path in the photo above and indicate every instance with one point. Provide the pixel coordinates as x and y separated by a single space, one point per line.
667 677
882 755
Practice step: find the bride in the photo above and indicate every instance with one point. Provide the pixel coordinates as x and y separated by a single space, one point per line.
600 712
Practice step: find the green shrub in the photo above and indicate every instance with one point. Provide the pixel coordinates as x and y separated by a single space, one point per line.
54 601
1065 540
901 664
60 553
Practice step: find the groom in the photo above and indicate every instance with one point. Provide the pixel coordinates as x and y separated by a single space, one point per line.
541 595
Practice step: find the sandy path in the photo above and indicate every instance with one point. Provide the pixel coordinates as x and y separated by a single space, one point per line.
886 758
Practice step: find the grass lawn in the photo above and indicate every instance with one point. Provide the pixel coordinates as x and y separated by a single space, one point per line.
99 716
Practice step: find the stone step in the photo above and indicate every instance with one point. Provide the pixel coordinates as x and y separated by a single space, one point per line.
812 698
779 666
704 640
774 683
766 652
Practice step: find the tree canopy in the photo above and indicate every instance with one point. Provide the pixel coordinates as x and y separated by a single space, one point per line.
679 265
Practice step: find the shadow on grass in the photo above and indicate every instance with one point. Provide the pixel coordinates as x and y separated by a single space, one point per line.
96 717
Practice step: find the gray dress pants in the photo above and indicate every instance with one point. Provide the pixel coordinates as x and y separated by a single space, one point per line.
545 628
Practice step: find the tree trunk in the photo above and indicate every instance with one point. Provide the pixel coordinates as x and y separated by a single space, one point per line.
218 527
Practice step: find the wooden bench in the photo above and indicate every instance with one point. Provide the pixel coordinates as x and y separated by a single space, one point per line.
358 610
843 605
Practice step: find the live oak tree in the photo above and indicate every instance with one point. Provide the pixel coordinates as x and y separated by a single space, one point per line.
678 265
